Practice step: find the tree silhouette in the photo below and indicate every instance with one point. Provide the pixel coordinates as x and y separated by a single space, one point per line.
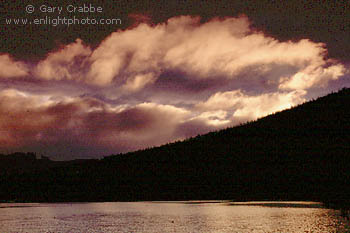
300 153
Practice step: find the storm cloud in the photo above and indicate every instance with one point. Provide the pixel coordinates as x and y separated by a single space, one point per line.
156 83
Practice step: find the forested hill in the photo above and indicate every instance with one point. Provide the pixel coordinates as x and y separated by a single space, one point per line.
298 154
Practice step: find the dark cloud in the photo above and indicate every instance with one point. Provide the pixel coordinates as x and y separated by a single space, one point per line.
195 127
181 82
70 124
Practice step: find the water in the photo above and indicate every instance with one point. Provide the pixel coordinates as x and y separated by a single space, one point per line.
171 217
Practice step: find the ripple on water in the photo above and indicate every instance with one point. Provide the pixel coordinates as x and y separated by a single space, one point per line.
194 216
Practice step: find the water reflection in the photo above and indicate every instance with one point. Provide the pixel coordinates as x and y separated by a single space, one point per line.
195 216
284 204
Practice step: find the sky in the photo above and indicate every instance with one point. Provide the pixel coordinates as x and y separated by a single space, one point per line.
164 72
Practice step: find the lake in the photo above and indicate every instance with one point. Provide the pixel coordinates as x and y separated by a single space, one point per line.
189 216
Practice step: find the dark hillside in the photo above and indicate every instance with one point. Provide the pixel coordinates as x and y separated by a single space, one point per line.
298 154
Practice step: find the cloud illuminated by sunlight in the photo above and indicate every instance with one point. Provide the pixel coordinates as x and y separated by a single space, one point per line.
152 84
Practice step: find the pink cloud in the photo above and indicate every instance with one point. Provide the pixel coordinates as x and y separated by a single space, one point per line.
224 48
10 68
66 63
246 107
